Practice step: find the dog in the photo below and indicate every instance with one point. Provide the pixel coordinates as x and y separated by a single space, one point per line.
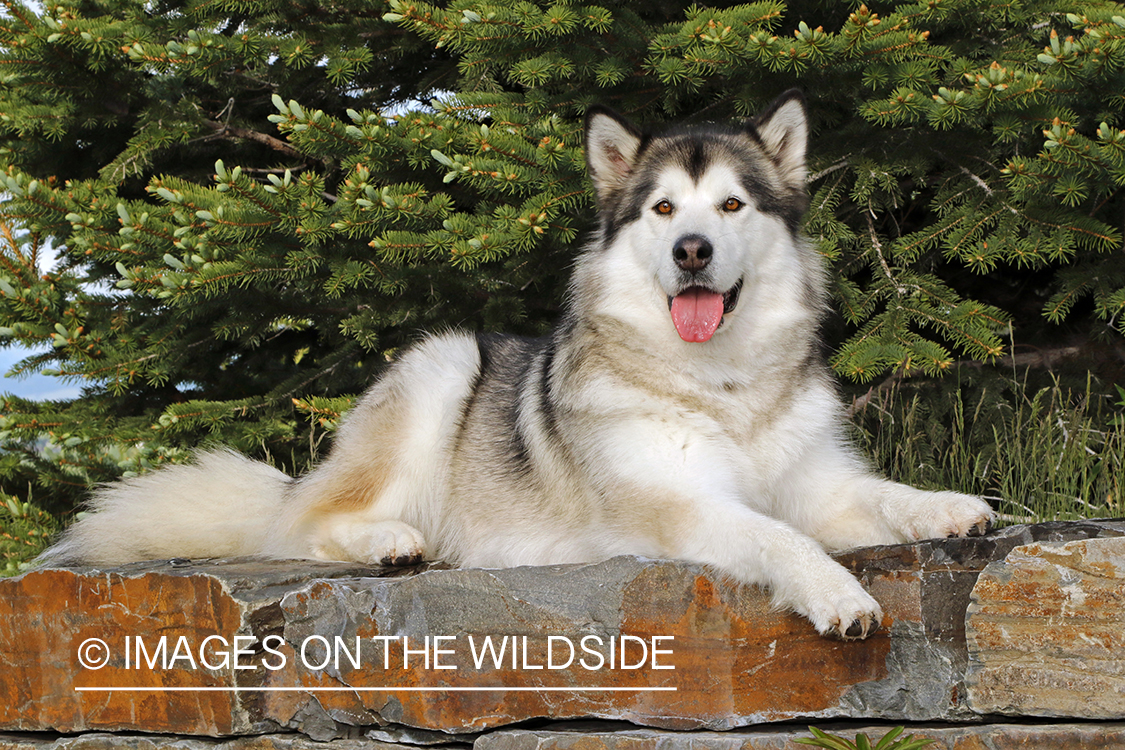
679 409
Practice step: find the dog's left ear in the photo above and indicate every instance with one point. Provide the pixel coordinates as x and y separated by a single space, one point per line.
783 131
612 144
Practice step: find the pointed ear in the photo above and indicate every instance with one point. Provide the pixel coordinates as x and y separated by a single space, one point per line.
783 131
612 144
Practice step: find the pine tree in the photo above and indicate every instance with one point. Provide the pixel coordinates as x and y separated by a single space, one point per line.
257 204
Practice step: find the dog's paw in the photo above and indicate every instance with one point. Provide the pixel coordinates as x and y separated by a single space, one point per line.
377 543
949 514
839 607
394 543
850 616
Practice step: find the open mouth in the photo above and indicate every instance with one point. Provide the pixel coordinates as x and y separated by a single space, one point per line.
697 312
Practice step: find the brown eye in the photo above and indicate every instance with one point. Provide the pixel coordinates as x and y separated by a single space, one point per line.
732 204
663 207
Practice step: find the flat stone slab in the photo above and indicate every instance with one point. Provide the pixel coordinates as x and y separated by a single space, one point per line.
975 737
106 741
55 621
218 648
601 736
1046 631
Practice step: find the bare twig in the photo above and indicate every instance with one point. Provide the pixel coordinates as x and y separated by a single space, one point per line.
976 178
828 170
859 404
223 129
878 247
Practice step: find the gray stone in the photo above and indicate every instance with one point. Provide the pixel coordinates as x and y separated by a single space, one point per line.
735 661
613 736
106 741
593 736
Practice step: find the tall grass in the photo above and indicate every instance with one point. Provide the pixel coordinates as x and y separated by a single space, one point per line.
1035 452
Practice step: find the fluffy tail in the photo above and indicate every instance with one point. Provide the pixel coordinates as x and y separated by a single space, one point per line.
221 505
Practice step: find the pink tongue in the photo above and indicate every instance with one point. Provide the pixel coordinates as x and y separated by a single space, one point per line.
696 313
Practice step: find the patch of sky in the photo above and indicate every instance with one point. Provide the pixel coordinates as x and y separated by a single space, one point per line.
35 386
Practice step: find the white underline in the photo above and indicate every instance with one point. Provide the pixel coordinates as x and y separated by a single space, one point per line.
367 689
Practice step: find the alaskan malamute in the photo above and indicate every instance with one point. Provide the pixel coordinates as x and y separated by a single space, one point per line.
679 409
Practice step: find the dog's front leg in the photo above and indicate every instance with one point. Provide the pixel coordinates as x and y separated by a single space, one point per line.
924 514
677 490
841 504
755 548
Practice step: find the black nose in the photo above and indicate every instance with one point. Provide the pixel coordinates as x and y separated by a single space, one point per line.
692 252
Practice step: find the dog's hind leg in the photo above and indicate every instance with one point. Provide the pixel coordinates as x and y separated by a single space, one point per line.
386 542
346 508
379 496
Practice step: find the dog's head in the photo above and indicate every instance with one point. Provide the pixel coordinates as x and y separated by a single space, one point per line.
701 207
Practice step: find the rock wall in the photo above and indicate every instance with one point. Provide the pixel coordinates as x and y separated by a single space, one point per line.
1026 622
612 736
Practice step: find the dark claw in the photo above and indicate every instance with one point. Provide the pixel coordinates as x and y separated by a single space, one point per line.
402 560
981 528
857 631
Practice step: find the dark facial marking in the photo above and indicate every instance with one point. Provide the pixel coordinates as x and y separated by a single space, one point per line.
697 162
633 200
695 150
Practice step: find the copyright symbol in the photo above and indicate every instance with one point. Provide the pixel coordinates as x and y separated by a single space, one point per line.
93 653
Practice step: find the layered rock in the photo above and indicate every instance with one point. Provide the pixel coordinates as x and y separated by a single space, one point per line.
335 650
970 737
1047 631
611 736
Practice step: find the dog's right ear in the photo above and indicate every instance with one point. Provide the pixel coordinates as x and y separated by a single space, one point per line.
783 130
612 144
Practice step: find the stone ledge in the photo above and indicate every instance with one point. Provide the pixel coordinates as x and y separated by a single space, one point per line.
608 736
108 741
736 662
780 737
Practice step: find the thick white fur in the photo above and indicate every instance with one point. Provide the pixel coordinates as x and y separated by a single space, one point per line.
728 453
222 498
